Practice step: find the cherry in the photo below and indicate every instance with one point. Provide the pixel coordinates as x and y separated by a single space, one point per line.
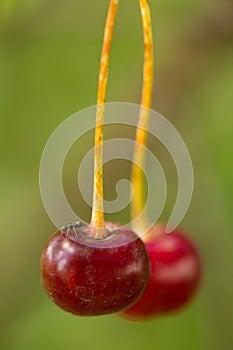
175 262
102 267
175 274
87 276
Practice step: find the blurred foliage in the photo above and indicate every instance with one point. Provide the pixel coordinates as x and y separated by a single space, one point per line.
11 10
49 59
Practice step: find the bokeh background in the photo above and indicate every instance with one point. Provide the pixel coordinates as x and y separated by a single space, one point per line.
49 60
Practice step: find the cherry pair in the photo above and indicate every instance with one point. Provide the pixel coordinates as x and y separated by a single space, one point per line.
86 276
100 268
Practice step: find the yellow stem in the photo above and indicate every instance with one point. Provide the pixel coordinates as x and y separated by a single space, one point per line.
137 177
97 219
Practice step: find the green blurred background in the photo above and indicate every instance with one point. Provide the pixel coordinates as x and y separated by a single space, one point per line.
49 60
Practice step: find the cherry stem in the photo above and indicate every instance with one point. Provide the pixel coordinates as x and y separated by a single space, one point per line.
97 219
137 176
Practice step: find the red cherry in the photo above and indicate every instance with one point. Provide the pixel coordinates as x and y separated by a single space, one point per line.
87 276
175 274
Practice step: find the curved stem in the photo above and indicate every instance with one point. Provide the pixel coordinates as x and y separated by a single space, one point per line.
137 177
97 219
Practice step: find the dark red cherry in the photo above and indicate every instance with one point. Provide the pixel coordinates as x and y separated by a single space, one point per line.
175 274
87 276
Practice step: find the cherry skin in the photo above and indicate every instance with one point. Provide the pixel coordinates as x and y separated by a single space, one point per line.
174 278
87 276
